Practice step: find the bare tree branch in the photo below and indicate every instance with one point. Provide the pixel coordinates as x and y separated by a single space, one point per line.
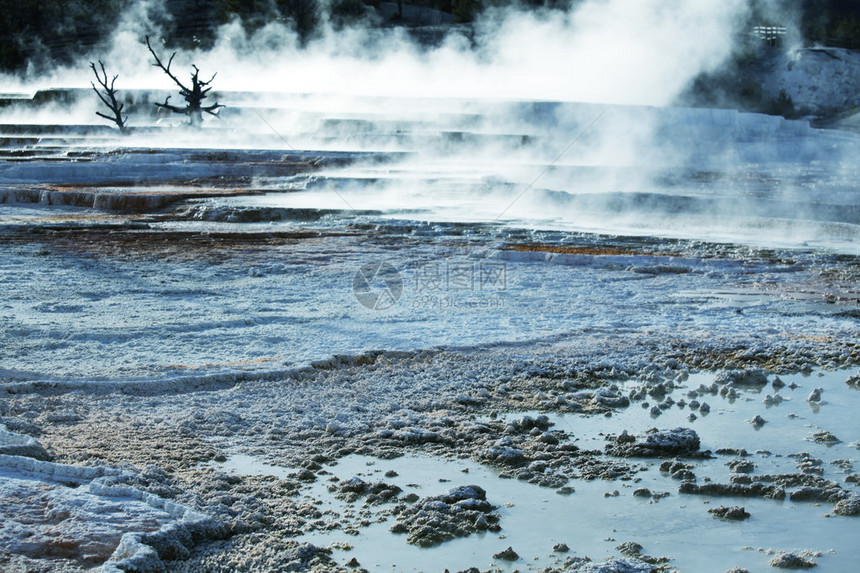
107 94
172 108
194 95
165 69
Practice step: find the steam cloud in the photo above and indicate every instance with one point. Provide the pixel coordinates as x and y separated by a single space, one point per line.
604 161
608 51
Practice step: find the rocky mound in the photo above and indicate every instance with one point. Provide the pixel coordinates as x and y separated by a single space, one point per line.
457 513
656 444
735 513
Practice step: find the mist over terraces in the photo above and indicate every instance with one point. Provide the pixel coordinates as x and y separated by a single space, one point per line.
36 37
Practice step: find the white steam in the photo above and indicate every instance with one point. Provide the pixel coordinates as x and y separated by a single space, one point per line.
608 51
557 119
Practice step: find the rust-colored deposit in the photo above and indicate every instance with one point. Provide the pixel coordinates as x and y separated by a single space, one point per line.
574 250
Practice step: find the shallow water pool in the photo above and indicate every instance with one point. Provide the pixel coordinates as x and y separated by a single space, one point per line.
594 520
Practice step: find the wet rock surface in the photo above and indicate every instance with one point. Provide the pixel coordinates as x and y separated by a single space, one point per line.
375 493
258 552
733 489
16 444
630 548
460 512
659 443
734 513
741 466
507 555
824 437
848 506
752 377
791 561
627 565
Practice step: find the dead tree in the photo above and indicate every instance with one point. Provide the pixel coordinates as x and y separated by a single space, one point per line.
194 95
107 94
